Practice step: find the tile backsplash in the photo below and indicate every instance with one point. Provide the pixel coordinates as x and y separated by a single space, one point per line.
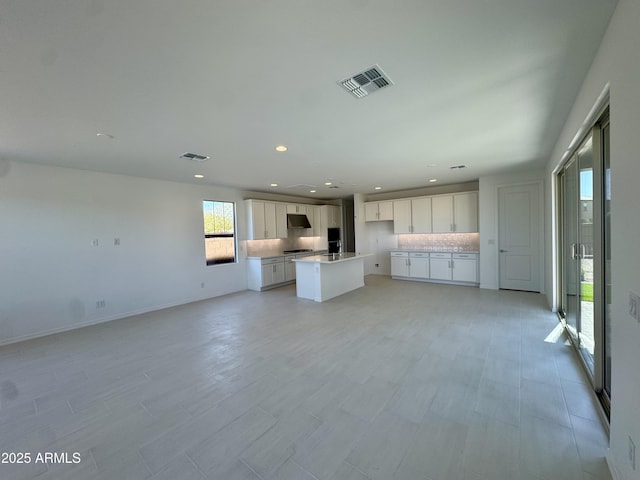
441 241
265 248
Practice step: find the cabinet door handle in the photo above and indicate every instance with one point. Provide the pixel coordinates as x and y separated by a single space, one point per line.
451 227
453 263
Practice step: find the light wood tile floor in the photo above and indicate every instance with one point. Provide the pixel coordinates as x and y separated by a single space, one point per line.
398 380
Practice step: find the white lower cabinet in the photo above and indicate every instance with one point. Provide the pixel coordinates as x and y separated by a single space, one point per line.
399 264
453 268
264 273
272 272
418 265
289 268
465 267
412 265
440 264
269 272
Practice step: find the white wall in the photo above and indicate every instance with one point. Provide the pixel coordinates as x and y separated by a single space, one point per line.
51 275
488 222
380 239
617 65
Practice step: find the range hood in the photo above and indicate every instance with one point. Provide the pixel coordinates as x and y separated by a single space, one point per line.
297 220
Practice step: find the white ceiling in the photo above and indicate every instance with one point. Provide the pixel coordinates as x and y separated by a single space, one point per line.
485 83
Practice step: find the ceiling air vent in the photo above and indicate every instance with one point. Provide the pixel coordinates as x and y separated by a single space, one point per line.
457 167
195 157
368 81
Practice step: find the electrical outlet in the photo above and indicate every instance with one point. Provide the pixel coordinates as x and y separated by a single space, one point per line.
377 265
95 242
100 304
116 242
632 453
201 284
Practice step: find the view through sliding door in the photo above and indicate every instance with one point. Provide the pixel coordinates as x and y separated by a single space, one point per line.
578 271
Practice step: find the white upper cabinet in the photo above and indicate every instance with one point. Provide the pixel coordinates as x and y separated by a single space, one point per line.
442 214
378 211
313 215
281 220
421 215
334 216
455 213
412 216
385 210
330 217
402 216
465 212
262 220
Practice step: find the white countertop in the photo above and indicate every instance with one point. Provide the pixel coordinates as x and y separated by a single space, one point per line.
331 258
282 254
427 250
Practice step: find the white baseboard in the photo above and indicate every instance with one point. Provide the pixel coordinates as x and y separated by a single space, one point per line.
97 321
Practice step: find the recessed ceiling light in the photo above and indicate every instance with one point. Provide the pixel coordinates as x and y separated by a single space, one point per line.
274 184
281 148
433 180
312 191
377 188
199 175
327 183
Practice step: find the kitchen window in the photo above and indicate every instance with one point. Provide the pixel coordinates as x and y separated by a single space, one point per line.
219 232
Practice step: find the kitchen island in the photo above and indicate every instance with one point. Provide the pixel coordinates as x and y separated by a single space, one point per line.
321 277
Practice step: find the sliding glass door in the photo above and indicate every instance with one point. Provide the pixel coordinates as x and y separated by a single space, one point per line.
585 252
577 265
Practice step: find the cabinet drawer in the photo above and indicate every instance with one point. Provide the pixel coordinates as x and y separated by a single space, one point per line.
472 256
272 260
418 255
400 254
440 255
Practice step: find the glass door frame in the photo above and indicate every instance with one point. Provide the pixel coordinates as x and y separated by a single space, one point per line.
595 369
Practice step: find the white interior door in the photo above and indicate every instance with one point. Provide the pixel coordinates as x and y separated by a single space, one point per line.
519 237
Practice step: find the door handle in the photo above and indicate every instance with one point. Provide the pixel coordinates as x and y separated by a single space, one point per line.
573 251
503 251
